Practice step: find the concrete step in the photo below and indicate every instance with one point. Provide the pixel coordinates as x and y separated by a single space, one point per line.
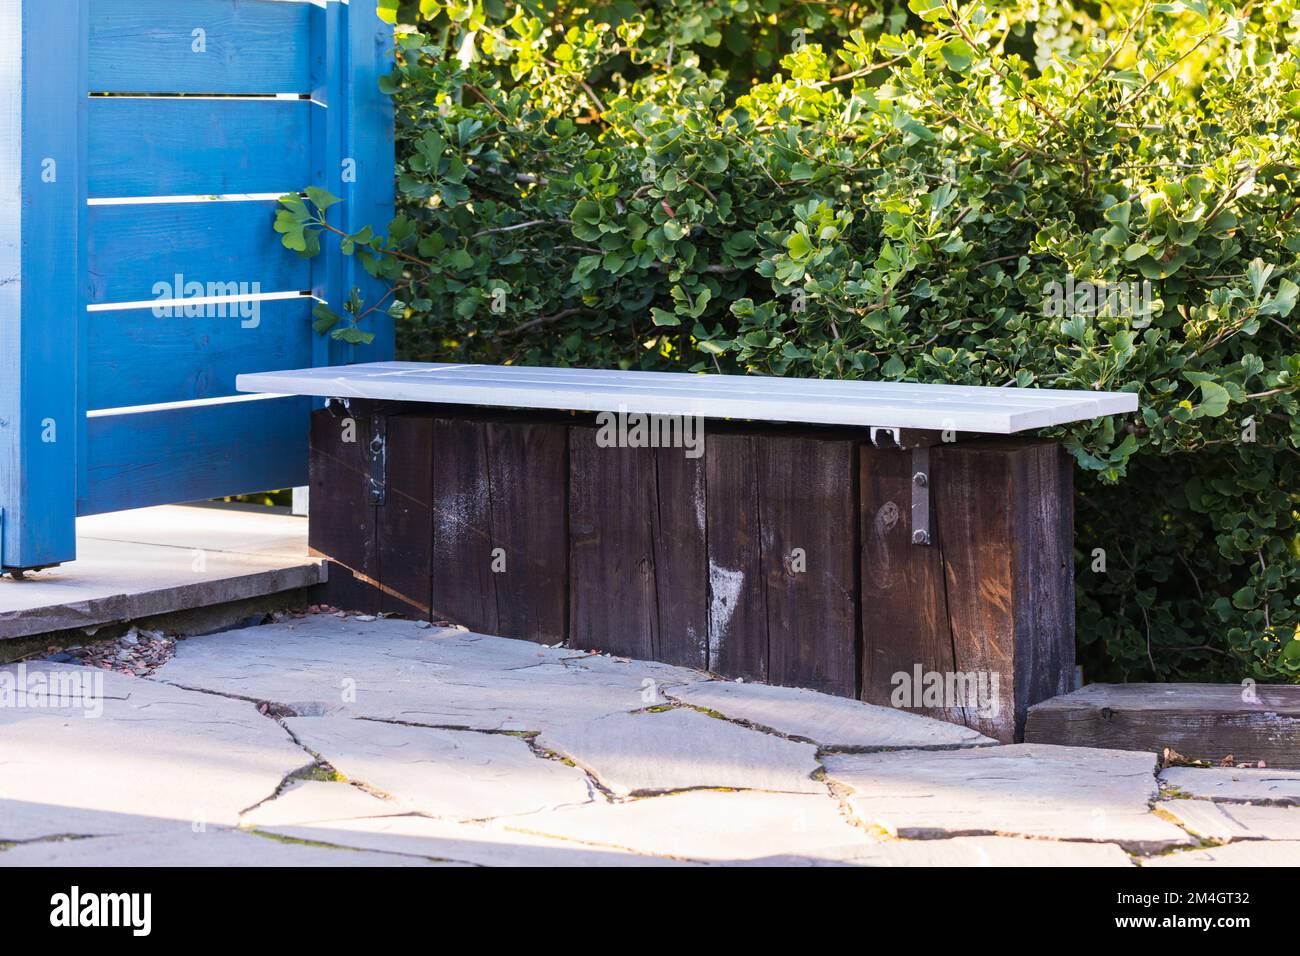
157 561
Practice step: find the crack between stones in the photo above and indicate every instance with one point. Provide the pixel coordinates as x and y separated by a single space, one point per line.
675 703
324 844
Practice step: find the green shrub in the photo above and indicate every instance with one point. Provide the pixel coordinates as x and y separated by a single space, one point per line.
902 193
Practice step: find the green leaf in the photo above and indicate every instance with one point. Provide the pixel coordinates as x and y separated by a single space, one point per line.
321 198
957 54
1283 302
927 10
1214 400
326 318
674 230
353 336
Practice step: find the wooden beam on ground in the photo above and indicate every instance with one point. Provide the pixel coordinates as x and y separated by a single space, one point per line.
1250 722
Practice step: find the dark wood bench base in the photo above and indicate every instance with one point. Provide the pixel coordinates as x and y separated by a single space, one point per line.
782 555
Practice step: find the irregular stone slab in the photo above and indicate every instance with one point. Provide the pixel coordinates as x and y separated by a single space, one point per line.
338 813
396 670
708 825
156 755
832 722
1235 821
318 801
683 750
1035 790
991 851
214 847
465 775
476 843
1250 853
1201 721
1280 787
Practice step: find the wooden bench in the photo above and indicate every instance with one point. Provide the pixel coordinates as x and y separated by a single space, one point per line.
885 541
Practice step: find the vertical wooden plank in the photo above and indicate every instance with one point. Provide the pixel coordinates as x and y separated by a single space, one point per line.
16 539
352 129
738 637
905 632
1005 519
42 206
527 476
499 547
463 589
404 529
366 168
973 505
808 519
342 526
637 530
679 527
328 76
1045 651
613 605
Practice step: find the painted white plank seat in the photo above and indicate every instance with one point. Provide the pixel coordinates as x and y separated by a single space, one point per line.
785 550
961 408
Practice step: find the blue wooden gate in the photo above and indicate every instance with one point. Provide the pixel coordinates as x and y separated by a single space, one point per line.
143 144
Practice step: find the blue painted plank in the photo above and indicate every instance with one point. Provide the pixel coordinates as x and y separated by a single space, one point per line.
136 251
329 72
139 358
150 46
140 146
204 451
369 141
41 205
352 157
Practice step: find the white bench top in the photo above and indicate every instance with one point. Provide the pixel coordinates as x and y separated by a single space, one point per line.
962 408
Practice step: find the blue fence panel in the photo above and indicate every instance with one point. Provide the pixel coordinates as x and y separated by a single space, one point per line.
142 143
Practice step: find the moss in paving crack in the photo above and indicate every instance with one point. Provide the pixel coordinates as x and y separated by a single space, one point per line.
1198 843
552 755
319 771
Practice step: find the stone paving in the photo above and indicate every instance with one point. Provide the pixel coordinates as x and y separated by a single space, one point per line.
328 741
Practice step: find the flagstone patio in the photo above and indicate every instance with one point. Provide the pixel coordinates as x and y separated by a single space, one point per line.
354 741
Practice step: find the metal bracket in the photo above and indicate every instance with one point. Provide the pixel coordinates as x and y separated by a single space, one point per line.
889 437
919 442
921 495
377 454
